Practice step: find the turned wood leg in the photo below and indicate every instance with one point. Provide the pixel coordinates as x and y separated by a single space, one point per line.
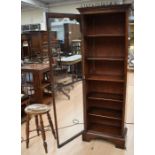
37 124
51 124
27 130
43 133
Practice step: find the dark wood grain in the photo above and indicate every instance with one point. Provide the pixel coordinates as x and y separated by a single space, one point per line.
106 113
106 58
114 78
38 82
37 44
105 49
43 133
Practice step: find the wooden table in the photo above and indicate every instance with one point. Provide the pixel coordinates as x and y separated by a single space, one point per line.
73 62
34 75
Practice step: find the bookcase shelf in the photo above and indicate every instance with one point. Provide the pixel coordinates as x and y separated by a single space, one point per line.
111 70
112 23
106 113
112 47
104 120
105 100
104 35
105 96
105 58
109 87
101 129
113 78
105 45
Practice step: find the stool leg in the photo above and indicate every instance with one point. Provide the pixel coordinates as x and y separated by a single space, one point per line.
43 134
27 130
37 124
51 124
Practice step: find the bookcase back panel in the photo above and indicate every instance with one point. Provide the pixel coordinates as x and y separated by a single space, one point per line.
99 96
104 121
106 113
105 68
109 130
104 87
105 47
113 23
104 104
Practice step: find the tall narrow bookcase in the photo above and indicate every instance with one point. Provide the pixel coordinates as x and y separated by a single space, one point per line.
105 50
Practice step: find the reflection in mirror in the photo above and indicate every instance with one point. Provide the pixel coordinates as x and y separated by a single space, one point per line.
35 79
67 71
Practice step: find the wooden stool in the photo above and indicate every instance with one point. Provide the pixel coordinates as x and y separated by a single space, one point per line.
38 110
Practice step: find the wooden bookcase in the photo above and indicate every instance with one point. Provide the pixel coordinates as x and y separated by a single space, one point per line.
36 82
71 32
37 44
105 50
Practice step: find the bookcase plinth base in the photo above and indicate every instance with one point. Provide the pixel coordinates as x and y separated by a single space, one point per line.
119 142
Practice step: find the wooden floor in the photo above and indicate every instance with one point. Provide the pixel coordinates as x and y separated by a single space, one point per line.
69 110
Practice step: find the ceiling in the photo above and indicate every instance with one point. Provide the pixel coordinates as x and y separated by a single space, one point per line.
53 1
43 3
25 4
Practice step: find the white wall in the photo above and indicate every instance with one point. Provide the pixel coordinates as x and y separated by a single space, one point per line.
71 7
33 16
36 15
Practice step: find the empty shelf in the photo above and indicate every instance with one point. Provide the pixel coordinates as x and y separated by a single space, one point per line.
113 78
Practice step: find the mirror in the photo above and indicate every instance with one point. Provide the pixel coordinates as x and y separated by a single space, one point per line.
66 59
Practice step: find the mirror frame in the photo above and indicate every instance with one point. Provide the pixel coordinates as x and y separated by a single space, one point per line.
59 15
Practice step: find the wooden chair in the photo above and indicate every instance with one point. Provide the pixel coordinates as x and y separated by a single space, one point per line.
38 110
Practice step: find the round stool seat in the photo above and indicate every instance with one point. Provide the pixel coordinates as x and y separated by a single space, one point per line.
37 109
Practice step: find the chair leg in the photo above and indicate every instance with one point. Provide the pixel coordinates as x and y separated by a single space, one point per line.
43 134
51 124
27 130
65 94
37 124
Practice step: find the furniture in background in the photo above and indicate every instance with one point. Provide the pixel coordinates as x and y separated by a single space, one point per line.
31 27
24 99
25 46
24 102
74 64
62 80
37 110
105 51
131 58
37 44
64 76
131 33
72 32
131 46
76 46
35 81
